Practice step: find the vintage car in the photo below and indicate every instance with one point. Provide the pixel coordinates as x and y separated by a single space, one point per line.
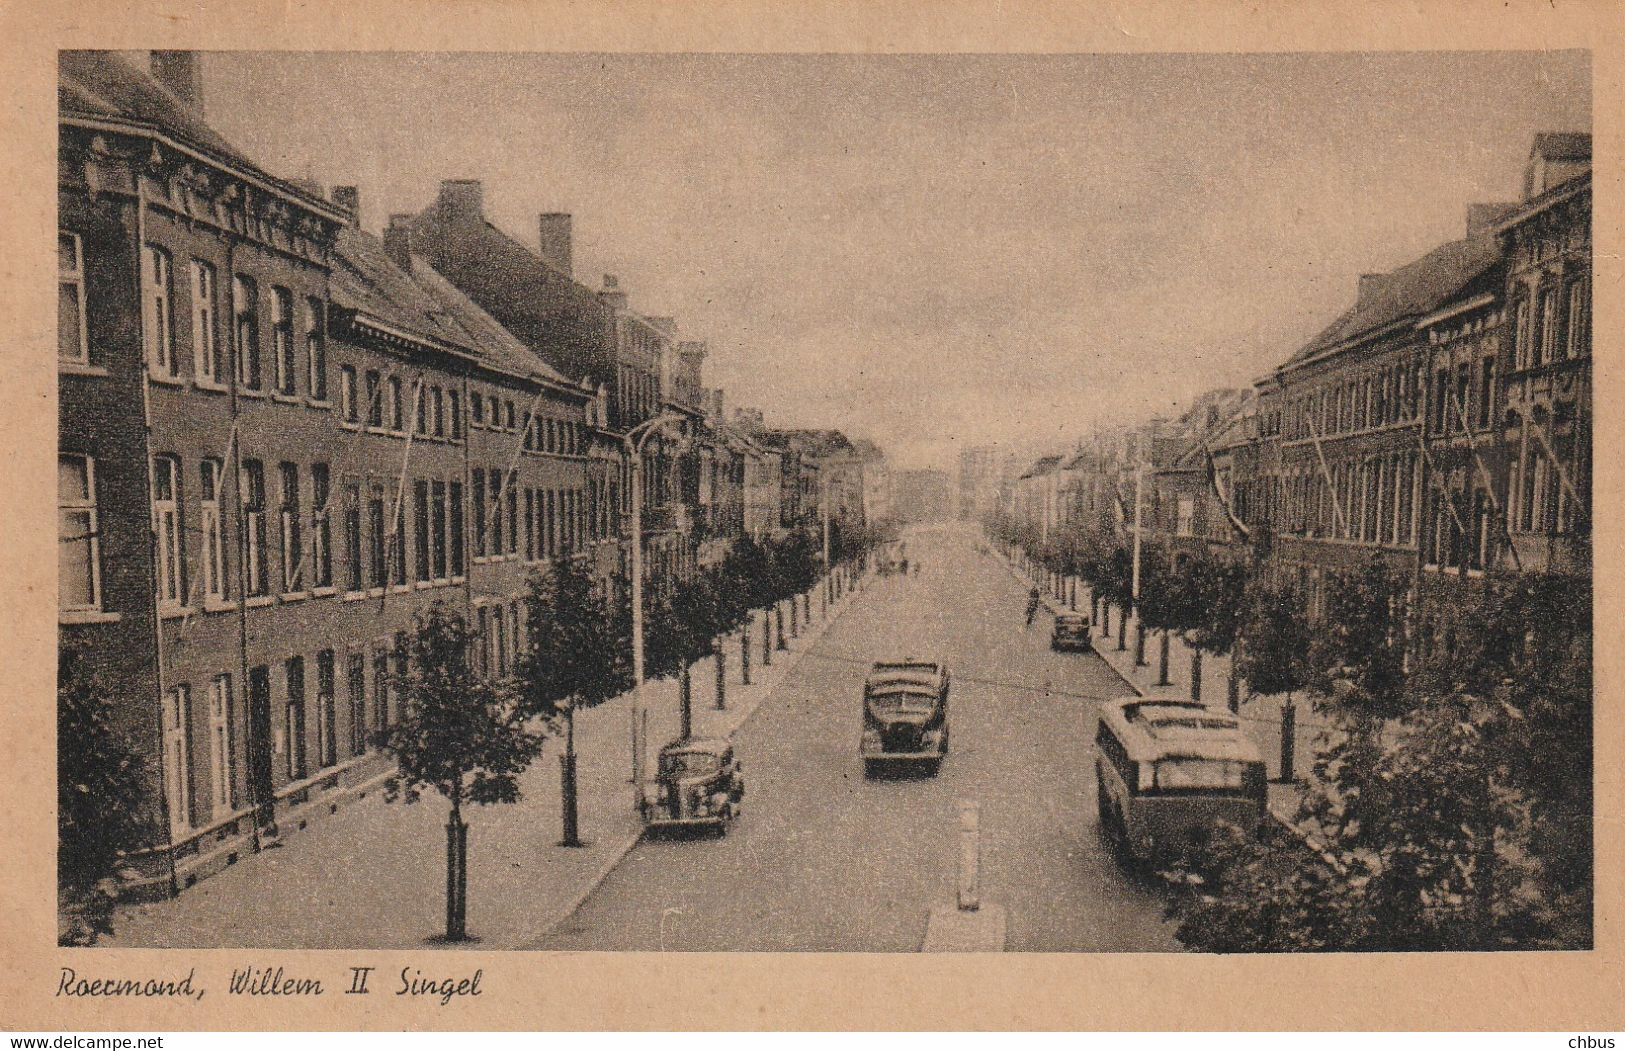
1071 632
905 715
1167 770
697 785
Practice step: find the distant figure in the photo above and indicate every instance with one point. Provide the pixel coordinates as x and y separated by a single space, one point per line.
905 567
1032 606
916 567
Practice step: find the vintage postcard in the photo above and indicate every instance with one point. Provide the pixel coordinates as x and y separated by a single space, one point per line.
731 516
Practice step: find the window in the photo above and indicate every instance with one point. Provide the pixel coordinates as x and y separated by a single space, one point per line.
380 690
177 724
513 518
479 512
348 410
476 408
253 490
321 533
397 542
282 341
375 400
326 746
72 343
495 482
295 669
206 363
500 622
352 536
1546 345
214 546
1187 516
422 411
221 781
455 514
437 520
376 536
454 409
420 529
1579 333
356 688
438 401
512 417
397 406
246 331
550 531
1486 391
316 348
482 655
292 543
158 311
398 661
166 525
1461 412
530 525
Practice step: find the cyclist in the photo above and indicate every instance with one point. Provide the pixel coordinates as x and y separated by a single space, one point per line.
1032 606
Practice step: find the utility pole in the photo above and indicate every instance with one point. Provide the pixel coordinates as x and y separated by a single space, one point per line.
1139 486
634 443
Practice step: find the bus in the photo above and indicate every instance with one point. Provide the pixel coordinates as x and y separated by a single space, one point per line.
1167 770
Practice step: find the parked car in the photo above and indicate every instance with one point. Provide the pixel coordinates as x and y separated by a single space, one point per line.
1071 632
905 714
698 784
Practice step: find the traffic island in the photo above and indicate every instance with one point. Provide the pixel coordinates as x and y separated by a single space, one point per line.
970 924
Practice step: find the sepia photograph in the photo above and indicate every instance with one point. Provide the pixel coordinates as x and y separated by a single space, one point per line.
823 503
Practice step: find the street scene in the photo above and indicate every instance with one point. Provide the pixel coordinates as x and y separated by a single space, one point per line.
825 503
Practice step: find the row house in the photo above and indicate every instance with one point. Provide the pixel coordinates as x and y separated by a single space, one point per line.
281 439
720 519
1189 503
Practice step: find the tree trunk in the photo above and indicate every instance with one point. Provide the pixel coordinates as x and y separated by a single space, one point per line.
778 620
720 652
1196 674
1139 644
1122 628
1232 685
1289 723
767 637
685 700
567 783
744 652
456 873
1162 661
795 615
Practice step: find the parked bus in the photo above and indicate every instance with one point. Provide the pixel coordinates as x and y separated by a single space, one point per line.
1168 770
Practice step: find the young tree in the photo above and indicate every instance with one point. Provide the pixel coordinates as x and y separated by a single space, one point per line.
103 809
460 735
1221 588
1169 601
1275 659
730 611
1359 649
747 570
578 655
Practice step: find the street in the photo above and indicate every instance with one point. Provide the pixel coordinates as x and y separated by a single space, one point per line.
825 860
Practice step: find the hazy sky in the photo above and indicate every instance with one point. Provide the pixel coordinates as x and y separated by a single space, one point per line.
939 250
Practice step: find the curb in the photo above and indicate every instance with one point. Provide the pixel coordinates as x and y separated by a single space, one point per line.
619 854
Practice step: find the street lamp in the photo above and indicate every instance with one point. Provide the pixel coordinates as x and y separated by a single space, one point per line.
635 439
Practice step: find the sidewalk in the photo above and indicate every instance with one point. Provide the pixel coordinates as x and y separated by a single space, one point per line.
1260 715
372 875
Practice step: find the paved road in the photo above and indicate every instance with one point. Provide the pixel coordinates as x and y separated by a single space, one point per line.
825 860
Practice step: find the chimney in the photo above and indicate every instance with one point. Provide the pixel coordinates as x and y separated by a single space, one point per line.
612 296
555 239
1481 217
716 412
461 201
181 74
1369 283
349 199
398 241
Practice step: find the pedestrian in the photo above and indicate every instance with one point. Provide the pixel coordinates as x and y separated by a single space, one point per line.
1032 606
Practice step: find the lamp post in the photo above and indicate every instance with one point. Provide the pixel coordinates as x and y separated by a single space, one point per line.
635 439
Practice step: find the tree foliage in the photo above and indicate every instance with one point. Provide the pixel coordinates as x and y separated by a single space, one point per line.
1275 658
578 650
1221 589
1359 649
1464 822
103 806
464 737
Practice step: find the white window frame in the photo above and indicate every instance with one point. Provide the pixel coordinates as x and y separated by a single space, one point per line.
348 409
284 366
1579 320
291 538
158 311
74 276
205 333
214 546
221 759
316 349
245 314
85 506
177 718
166 525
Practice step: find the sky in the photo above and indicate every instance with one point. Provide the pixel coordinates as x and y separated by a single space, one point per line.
939 251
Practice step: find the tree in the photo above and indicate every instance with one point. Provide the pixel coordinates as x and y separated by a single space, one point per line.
1462 823
1169 601
730 611
1275 659
747 570
577 655
103 807
462 736
1359 649
677 632
1221 588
